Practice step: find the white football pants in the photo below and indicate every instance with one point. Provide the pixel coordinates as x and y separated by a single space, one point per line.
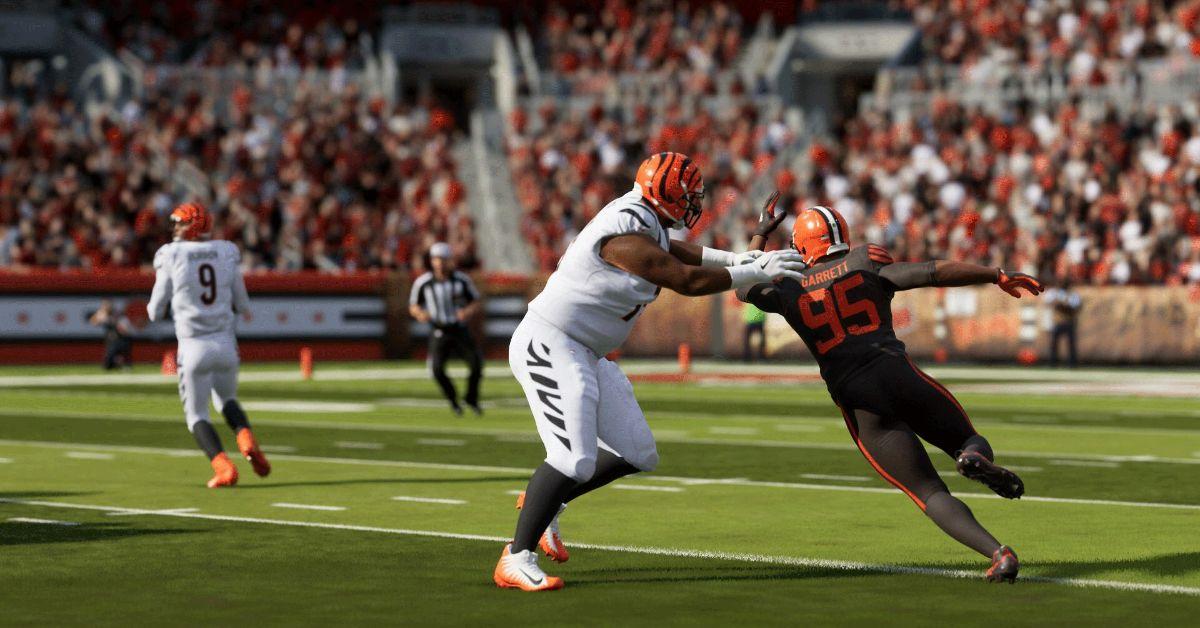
580 401
207 365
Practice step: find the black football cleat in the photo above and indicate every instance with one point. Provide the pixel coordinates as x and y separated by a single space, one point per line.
1004 566
975 466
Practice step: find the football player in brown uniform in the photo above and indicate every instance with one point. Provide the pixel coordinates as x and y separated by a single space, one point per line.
841 308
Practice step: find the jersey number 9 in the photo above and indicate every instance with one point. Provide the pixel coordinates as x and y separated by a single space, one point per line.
208 281
836 309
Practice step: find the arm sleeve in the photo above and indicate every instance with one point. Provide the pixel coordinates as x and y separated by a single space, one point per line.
908 275
469 288
160 297
241 298
764 296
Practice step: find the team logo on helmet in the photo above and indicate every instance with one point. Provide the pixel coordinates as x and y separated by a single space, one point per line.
820 231
673 185
196 219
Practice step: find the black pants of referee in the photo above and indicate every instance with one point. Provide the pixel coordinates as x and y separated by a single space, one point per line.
890 407
118 353
445 342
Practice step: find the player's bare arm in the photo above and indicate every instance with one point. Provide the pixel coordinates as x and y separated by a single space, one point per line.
640 255
948 274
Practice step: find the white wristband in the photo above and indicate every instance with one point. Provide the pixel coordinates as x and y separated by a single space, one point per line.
746 275
715 257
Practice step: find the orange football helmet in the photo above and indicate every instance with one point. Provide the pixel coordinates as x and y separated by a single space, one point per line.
673 185
819 231
195 217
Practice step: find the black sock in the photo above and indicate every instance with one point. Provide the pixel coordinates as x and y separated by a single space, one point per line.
609 467
235 416
955 519
206 437
980 445
545 494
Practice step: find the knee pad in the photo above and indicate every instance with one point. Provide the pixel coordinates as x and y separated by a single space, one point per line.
645 462
577 467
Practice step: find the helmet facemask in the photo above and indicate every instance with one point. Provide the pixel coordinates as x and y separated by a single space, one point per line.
692 203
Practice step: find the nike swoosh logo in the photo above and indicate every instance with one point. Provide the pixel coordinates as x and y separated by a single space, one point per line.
535 582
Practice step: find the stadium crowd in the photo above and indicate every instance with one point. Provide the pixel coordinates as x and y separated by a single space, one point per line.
629 79
594 47
336 181
1070 34
313 34
1109 199
340 181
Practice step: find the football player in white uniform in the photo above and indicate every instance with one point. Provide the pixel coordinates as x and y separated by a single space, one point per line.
586 414
200 279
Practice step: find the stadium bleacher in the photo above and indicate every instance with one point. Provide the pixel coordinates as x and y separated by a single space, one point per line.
1036 135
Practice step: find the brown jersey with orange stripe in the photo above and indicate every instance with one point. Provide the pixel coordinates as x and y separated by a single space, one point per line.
842 307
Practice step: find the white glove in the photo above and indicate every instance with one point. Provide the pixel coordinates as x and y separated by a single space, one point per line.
767 268
717 257
746 258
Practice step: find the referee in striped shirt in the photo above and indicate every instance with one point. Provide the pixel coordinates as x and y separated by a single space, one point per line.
446 299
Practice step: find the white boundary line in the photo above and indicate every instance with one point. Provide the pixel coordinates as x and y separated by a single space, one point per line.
796 561
523 472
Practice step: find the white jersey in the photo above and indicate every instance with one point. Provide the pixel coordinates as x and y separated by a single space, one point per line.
590 300
203 284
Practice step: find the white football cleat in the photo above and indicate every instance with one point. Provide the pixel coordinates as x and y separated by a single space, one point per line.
521 571
551 542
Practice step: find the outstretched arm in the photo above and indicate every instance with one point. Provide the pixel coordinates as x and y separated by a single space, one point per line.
639 255
768 220
909 275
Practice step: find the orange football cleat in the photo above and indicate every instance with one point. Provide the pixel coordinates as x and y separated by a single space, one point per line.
225 473
249 448
551 542
521 571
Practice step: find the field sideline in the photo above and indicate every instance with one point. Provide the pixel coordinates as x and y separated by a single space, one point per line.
385 507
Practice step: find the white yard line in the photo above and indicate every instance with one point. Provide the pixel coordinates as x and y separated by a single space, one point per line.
320 375
429 500
1086 463
442 442
278 449
794 561
671 436
49 522
351 444
163 511
89 455
5 460
734 431
799 427
521 473
308 506
645 487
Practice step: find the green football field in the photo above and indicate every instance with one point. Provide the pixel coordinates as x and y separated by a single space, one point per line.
385 508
